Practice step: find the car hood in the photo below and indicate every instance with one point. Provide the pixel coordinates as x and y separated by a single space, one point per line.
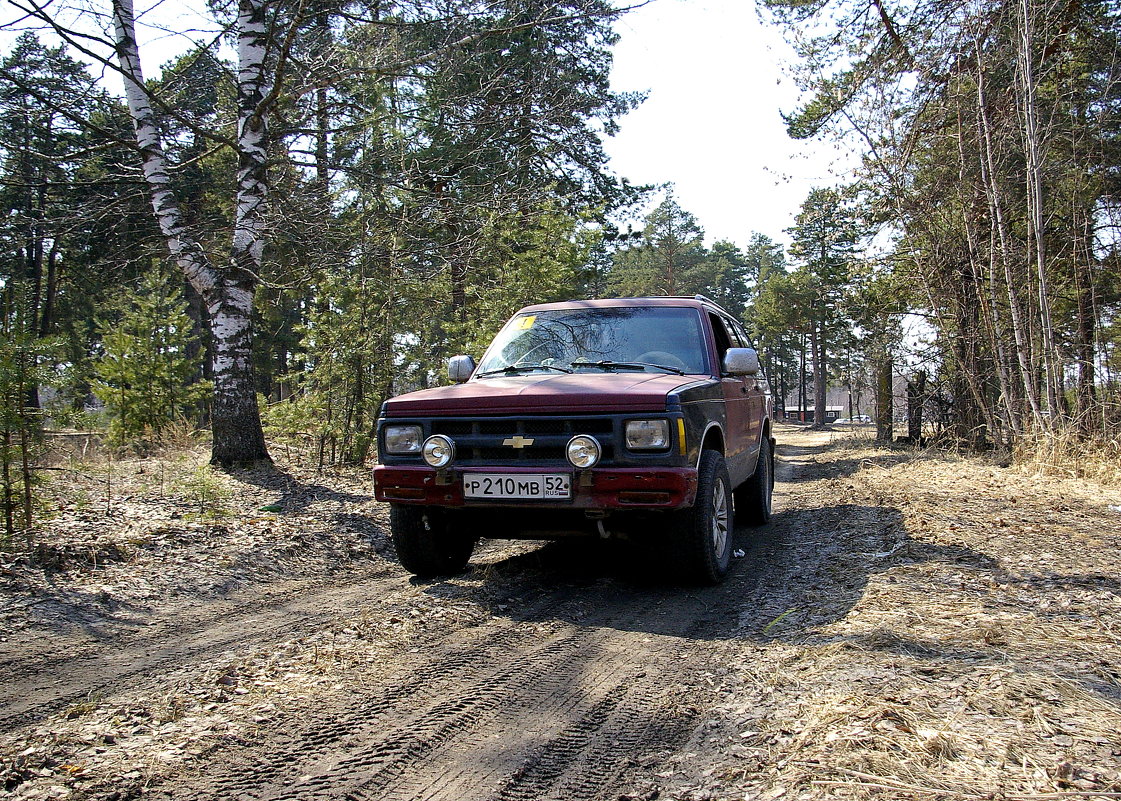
544 393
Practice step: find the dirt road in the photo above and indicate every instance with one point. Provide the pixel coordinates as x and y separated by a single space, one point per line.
854 647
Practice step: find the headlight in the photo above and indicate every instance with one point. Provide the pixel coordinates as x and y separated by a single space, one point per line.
439 451
402 439
647 435
583 451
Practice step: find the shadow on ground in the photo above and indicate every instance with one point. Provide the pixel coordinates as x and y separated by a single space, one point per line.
295 495
805 569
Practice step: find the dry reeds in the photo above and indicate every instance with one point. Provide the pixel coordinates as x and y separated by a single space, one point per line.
1063 452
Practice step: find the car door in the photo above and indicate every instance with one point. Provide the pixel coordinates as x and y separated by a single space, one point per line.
738 441
758 395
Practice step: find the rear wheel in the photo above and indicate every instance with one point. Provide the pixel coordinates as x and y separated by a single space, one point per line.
425 545
754 496
702 535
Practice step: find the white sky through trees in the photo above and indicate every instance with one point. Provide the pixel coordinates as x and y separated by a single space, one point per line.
711 124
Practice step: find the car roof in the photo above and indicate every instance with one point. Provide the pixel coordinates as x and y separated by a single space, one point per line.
663 300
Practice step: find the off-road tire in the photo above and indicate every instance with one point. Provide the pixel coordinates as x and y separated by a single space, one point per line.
425 545
754 497
701 536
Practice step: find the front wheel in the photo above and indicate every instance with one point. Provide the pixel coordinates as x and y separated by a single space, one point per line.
754 496
425 544
702 535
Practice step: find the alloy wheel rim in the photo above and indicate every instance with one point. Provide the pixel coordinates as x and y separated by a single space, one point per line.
719 518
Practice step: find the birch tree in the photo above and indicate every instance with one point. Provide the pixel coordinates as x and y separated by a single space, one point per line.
227 290
398 134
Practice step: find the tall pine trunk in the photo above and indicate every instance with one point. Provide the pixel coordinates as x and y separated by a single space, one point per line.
1033 148
1088 410
996 210
885 413
817 349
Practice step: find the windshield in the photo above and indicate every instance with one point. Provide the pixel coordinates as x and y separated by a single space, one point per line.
621 338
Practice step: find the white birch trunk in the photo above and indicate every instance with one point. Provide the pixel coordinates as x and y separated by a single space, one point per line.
228 294
236 420
184 249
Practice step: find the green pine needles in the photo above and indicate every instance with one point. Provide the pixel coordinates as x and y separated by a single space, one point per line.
150 373
23 370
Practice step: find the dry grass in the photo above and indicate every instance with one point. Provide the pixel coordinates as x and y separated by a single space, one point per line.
963 643
111 525
1064 454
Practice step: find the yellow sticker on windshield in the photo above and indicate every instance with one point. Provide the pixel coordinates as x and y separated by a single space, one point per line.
527 322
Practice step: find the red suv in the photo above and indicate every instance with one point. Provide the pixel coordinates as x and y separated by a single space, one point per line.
643 418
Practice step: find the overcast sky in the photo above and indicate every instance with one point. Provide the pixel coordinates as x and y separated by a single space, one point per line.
711 124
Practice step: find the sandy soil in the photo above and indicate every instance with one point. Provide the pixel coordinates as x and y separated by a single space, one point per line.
911 625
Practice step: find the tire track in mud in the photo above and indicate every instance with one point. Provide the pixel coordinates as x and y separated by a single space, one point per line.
493 717
36 688
477 763
653 711
321 732
415 740
790 561
588 756
549 762
313 750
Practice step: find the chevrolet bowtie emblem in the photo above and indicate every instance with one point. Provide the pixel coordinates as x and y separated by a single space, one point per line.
518 442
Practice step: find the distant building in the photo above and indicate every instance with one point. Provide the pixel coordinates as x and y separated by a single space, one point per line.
807 415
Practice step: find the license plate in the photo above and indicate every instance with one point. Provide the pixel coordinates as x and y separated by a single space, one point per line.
518 486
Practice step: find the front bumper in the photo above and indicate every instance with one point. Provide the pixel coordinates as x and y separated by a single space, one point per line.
597 488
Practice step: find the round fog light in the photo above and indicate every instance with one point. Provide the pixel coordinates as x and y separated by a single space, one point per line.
583 451
439 450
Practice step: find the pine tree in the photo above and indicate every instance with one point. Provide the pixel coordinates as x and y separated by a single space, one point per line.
147 376
59 212
731 277
825 236
782 319
23 354
670 258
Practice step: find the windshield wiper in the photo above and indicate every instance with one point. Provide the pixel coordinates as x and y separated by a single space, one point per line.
511 369
605 364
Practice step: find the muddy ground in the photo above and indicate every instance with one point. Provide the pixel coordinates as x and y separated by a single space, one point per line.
911 625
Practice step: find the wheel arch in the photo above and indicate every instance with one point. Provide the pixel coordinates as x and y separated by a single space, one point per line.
713 440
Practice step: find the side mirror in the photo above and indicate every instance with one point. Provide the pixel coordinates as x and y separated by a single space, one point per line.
460 368
741 361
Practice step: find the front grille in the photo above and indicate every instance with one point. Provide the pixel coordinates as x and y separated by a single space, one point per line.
508 454
544 427
480 442
453 427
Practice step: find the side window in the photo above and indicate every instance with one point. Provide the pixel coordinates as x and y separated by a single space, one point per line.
738 340
723 341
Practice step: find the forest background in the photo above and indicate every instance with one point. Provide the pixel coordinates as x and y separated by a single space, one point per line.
269 244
